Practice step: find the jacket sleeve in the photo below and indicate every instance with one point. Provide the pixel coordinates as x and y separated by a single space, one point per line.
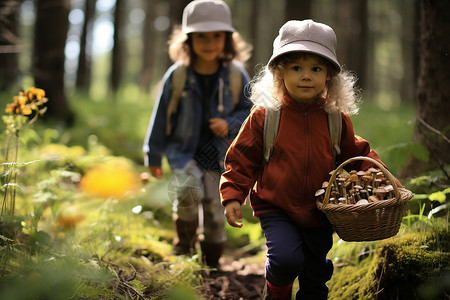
243 159
242 108
155 140
353 145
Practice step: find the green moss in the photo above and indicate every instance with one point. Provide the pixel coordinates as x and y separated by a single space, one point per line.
403 264
346 283
402 268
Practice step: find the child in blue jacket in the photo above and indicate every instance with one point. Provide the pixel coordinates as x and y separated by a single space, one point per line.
195 130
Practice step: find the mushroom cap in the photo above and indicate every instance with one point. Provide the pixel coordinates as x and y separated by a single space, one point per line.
380 190
367 177
361 173
353 178
373 170
325 184
362 202
389 188
343 175
319 192
373 199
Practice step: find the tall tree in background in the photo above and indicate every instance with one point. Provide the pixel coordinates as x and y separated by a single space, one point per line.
85 57
148 52
119 47
253 30
433 90
50 34
297 10
409 42
175 17
352 32
176 11
9 44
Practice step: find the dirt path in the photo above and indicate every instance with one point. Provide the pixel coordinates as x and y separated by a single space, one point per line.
235 281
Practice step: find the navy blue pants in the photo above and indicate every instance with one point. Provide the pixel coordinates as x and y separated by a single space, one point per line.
294 252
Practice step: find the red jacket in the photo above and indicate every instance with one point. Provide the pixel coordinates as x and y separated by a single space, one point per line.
301 161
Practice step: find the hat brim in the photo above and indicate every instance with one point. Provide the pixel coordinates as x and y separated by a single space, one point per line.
308 47
208 27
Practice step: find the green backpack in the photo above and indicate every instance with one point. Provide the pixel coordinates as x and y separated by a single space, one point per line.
179 80
272 121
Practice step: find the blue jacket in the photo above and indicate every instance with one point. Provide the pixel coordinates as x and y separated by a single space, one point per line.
182 144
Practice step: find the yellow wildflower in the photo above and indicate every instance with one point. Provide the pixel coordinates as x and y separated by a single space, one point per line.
35 92
171 258
111 179
21 99
10 107
26 102
26 110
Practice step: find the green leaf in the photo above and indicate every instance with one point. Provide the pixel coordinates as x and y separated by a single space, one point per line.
437 196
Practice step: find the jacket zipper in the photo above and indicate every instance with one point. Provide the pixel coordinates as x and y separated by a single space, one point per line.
308 152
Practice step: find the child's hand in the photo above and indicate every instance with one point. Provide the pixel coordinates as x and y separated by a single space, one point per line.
156 171
233 210
218 126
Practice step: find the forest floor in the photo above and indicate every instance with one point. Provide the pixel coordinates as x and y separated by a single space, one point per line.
234 280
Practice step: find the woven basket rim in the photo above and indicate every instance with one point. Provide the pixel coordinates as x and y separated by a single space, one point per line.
405 196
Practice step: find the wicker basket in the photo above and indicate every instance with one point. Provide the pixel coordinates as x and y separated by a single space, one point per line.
367 222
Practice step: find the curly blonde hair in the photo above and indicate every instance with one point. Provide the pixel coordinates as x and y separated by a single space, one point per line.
268 89
180 47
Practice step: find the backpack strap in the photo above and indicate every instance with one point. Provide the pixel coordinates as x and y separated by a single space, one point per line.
272 121
271 124
335 129
178 82
235 79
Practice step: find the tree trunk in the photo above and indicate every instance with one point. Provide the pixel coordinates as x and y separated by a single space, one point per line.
176 11
118 50
175 18
9 44
297 10
85 57
254 16
148 52
432 128
50 34
409 46
351 31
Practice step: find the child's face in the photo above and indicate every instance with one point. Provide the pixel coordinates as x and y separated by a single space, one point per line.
208 46
305 78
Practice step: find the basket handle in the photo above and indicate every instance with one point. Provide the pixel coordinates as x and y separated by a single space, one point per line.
341 166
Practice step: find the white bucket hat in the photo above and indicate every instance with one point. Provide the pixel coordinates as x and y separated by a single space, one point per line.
206 16
306 36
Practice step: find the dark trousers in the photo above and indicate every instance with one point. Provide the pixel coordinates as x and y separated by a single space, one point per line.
294 252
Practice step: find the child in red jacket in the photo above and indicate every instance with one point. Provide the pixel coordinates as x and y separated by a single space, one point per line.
304 80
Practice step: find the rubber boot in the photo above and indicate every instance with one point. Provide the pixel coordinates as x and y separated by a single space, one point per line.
187 234
267 294
211 252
